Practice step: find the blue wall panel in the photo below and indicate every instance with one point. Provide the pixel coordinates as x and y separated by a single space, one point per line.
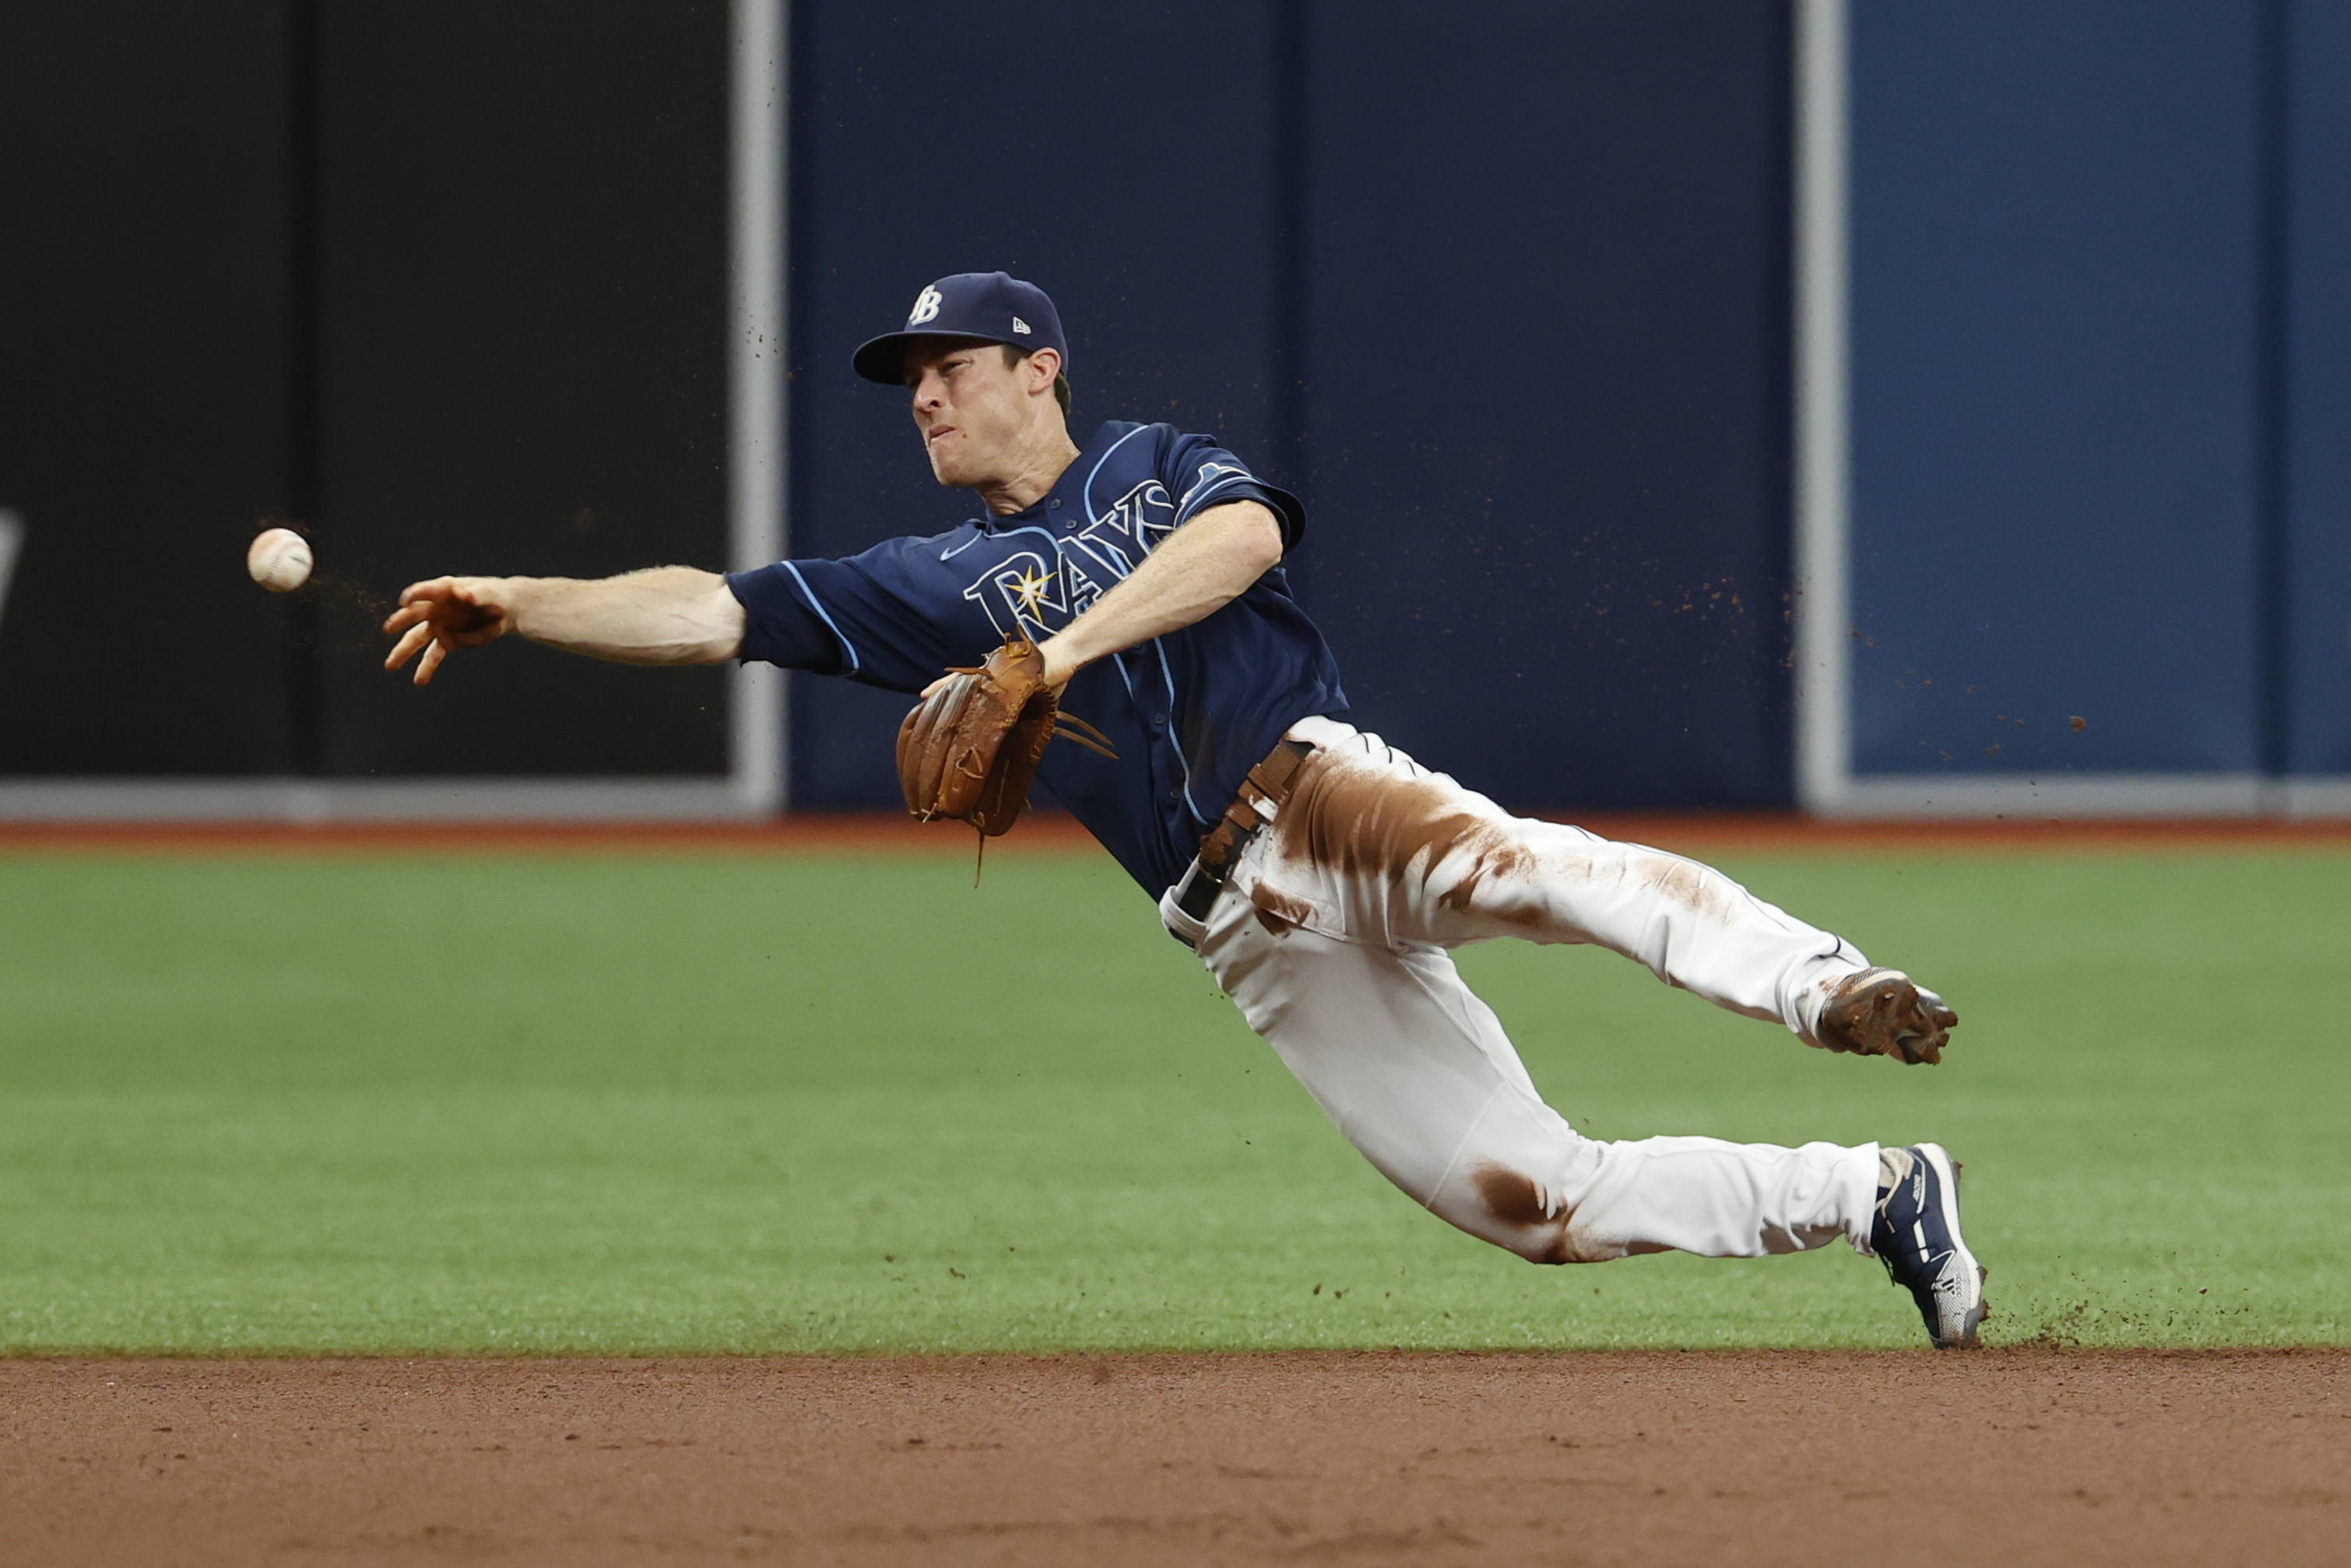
1545 351
1537 288
2318 367
2055 385
1120 157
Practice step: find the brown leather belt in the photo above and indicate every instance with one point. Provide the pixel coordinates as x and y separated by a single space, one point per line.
1269 783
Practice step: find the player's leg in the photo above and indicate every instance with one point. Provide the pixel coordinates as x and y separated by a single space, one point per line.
1417 1072
1374 845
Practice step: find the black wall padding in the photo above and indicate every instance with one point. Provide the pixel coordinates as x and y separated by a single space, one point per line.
522 276
144 386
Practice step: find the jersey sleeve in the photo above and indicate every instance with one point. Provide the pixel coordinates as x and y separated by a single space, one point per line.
1200 475
874 617
781 624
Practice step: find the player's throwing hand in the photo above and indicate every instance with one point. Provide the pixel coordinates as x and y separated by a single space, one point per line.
446 612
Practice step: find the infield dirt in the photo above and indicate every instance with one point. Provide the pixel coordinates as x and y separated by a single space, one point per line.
2016 1456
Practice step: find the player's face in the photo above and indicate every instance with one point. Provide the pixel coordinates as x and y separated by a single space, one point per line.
972 408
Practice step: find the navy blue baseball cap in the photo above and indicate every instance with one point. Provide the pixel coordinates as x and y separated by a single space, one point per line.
995 306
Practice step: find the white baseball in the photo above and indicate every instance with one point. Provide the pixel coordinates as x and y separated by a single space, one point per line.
279 559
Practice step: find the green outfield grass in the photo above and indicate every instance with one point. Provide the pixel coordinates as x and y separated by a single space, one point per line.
830 1103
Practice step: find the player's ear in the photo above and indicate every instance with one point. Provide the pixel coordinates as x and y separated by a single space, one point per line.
1040 367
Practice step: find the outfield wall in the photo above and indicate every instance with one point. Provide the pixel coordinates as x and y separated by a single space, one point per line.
1504 290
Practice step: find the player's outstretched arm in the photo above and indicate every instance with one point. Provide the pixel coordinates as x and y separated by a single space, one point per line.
1195 571
666 615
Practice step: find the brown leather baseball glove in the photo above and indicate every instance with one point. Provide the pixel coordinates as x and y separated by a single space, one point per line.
967 751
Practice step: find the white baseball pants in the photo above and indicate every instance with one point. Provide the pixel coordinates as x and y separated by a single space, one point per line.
1332 935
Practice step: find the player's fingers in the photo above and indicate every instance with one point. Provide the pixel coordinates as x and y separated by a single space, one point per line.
406 649
434 653
407 615
430 589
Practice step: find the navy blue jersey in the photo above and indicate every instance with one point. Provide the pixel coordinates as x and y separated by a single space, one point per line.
1189 712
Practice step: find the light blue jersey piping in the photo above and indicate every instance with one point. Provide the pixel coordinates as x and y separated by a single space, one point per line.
826 616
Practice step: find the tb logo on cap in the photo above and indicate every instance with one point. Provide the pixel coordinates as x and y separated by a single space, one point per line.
926 306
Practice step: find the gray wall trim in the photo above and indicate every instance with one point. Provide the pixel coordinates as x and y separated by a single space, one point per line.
11 539
2075 795
1823 458
756 526
2095 795
355 800
2317 797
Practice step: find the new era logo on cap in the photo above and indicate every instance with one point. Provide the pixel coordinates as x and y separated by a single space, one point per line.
994 307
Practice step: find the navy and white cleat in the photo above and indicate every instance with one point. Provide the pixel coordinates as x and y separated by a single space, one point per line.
1917 1236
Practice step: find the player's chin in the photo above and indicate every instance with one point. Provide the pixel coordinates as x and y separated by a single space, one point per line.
950 464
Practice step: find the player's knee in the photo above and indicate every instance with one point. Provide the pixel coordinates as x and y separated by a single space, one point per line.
1544 1249
1561 1245
1524 1217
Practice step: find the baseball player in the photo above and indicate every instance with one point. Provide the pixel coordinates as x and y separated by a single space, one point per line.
1135 582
